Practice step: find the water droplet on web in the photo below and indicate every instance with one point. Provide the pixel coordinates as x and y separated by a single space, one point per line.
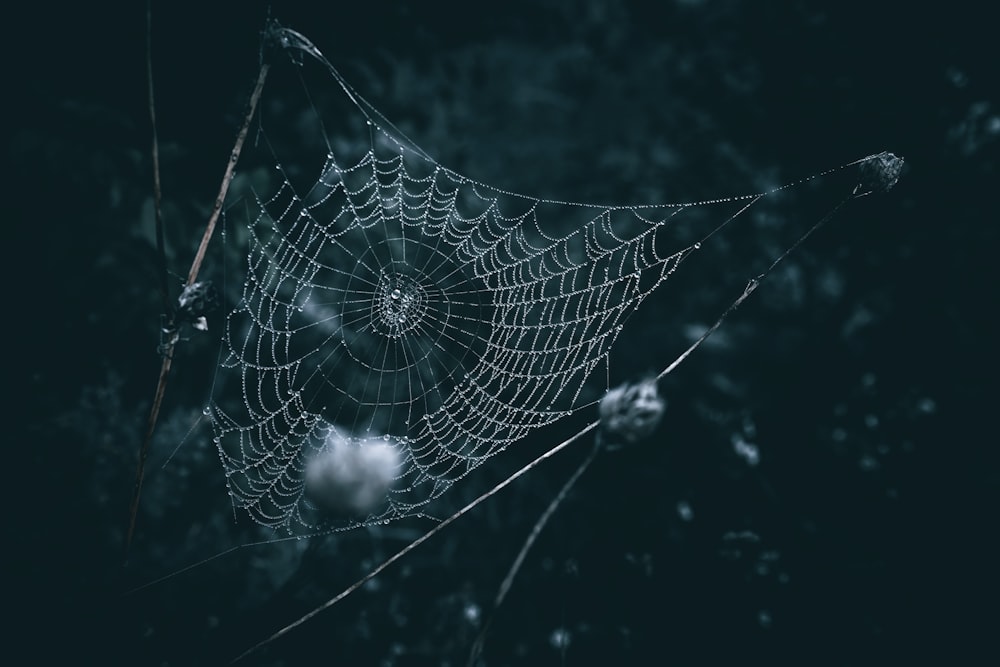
207 411
697 246
396 293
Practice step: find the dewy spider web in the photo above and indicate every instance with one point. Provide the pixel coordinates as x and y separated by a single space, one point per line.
393 300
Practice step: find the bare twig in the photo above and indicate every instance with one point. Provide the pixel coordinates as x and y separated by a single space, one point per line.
477 645
234 157
172 328
161 252
154 413
751 286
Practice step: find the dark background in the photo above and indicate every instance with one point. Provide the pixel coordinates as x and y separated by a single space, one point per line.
864 370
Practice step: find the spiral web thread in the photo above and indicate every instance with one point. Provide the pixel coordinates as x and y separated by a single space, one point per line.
396 300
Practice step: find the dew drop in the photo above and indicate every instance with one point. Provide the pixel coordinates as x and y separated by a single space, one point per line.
207 411
395 294
697 246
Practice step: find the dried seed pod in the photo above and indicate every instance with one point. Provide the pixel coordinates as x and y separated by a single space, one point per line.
197 300
631 411
879 173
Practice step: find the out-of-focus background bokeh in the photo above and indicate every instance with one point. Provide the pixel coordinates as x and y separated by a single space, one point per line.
823 486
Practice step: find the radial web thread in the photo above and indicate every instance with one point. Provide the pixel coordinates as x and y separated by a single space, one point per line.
394 300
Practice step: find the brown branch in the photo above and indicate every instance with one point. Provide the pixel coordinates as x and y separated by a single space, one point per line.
154 413
234 157
171 328
157 191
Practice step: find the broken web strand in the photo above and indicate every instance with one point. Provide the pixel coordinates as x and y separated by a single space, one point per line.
386 302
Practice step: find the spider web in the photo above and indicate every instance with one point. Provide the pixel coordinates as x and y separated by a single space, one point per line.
389 299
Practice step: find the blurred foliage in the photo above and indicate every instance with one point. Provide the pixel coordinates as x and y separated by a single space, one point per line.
862 374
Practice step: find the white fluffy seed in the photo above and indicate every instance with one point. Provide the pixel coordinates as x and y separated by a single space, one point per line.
349 476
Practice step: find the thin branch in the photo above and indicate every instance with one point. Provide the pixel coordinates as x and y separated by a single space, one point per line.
480 642
172 328
161 252
234 157
751 286
161 388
